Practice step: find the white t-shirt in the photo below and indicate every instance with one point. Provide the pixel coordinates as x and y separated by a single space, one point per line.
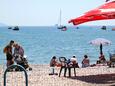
73 59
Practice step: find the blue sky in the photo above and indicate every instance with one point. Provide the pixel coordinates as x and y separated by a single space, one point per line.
46 12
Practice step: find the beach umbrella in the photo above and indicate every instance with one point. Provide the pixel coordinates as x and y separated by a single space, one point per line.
100 42
103 12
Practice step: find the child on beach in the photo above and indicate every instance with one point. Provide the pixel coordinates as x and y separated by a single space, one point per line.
53 63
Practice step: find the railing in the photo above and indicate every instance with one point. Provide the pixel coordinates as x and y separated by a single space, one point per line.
16 66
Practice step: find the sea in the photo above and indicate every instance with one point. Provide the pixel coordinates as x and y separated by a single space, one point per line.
41 43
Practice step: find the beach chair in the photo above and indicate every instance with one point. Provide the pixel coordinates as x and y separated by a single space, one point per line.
112 60
63 62
65 65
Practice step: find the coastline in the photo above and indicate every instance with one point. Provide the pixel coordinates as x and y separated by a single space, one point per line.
39 76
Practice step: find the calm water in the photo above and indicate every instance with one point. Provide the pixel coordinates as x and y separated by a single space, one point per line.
41 43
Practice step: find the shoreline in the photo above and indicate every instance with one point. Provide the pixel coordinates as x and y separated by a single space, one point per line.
39 76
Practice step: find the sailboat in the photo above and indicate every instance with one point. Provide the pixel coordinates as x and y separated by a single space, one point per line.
60 26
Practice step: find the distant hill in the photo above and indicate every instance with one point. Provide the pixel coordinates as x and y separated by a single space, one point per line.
2 25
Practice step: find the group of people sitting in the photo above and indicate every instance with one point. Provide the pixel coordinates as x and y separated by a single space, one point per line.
15 54
73 62
70 62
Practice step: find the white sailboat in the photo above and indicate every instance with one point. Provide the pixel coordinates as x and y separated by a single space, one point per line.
60 26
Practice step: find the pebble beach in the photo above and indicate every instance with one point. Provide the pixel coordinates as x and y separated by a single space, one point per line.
39 76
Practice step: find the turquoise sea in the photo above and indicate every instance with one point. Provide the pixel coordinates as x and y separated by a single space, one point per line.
41 43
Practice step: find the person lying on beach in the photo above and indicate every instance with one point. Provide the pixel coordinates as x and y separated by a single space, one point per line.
53 64
8 51
85 62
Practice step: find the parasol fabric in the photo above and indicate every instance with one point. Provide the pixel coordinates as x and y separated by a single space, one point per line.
104 12
100 42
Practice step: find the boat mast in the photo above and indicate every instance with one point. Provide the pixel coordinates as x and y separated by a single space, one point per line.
60 17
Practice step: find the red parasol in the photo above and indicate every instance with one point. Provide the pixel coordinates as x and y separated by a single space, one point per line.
104 12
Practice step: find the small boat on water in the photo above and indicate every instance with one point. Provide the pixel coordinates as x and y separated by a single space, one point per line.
77 27
113 29
60 26
16 28
103 28
64 28
9 27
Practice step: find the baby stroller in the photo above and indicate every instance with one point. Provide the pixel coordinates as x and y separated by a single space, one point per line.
22 61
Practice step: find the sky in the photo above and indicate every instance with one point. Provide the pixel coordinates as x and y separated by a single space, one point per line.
46 12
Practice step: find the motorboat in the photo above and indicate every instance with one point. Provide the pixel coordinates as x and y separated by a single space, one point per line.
16 28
